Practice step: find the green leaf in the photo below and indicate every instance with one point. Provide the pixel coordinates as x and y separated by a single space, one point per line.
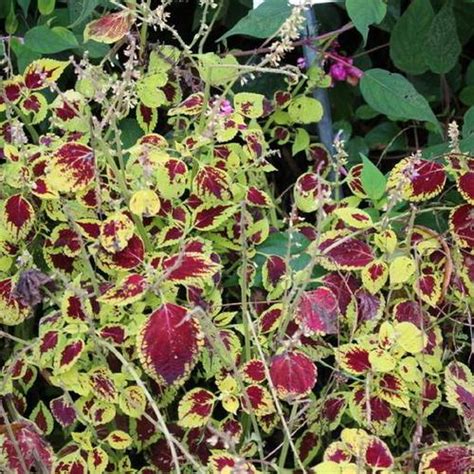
278 243
466 96
24 55
24 5
11 22
366 12
80 10
218 71
468 125
305 110
263 22
42 39
469 77
373 180
443 46
393 95
386 134
46 7
407 43
301 141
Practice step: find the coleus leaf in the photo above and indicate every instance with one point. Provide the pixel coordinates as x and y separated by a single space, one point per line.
377 455
353 358
127 259
318 311
249 104
212 182
381 421
116 231
344 252
189 268
63 411
332 409
71 463
109 28
253 371
12 310
35 106
293 375
275 276
195 408
18 216
257 399
147 117
116 333
72 168
461 223
25 449
417 179
42 418
221 462
375 275
354 217
270 318
192 105
394 390
452 459
102 384
132 401
336 453
97 460
128 290
169 344
459 383
465 184
119 440
308 445
68 354
74 308
42 71
210 216
428 285
310 192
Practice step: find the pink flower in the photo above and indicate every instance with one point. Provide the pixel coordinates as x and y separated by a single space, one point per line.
342 69
338 72
226 108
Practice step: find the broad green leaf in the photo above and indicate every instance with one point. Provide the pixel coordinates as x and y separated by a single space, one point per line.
263 22
301 141
80 10
442 46
46 7
24 55
466 96
366 12
42 39
468 124
148 89
393 95
305 110
373 180
407 42
216 70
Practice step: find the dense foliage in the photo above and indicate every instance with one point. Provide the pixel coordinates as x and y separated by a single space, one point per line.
191 281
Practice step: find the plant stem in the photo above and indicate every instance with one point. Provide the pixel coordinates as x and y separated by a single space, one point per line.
286 443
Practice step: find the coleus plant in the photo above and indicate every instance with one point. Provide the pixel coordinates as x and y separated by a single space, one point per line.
163 315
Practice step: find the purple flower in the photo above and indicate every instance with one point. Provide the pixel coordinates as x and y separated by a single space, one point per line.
301 63
338 72
226 108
